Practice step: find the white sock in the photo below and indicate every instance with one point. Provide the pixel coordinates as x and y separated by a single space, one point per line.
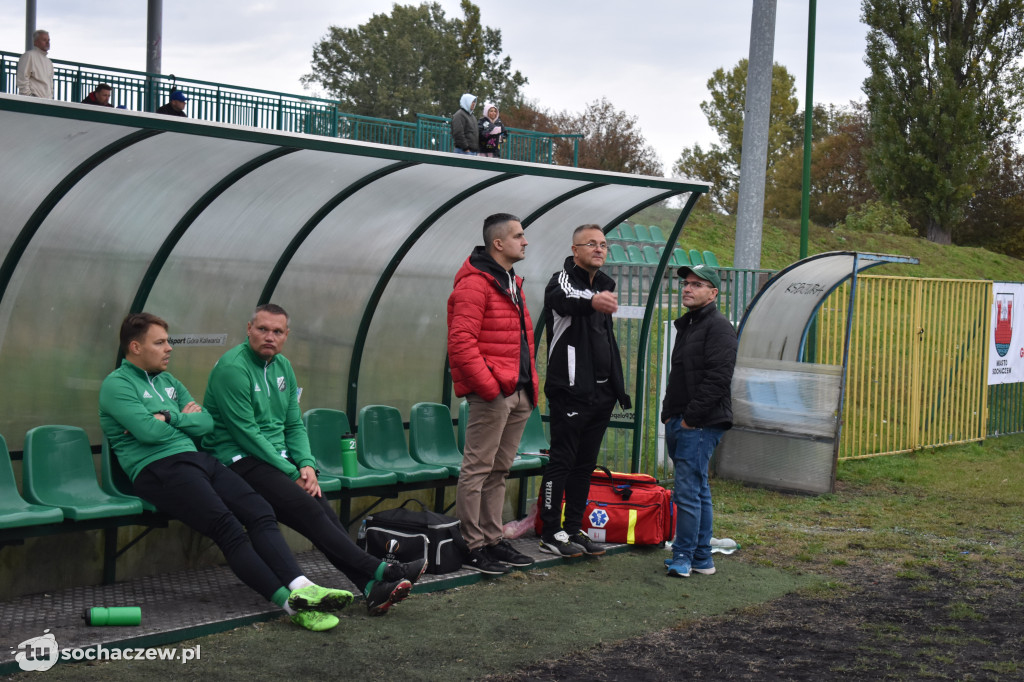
289 610
298 583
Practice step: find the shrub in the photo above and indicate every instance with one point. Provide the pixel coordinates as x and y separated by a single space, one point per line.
880 218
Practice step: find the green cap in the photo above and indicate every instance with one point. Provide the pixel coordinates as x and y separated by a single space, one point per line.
705 272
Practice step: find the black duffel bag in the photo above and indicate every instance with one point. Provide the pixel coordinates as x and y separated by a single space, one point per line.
402 534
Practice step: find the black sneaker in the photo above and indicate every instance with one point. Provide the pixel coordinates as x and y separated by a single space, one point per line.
480 560
559 544
589 546
383 595
504 552
411 570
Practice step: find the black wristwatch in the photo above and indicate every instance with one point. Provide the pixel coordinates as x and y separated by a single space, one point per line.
166 415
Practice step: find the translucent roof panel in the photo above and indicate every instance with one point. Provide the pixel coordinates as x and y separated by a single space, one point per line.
775 324
259 216
109 211
415 302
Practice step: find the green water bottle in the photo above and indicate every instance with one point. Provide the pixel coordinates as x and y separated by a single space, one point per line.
349 461
114 615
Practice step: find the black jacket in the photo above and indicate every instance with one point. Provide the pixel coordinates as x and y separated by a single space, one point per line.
169 110
568 318
465 135
703 359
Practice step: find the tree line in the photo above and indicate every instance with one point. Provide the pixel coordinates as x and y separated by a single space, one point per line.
933 151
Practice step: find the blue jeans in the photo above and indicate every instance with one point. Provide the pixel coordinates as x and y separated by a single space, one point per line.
691 451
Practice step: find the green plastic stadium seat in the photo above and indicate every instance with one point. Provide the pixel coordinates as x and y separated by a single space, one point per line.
657 236
613 233
381 444
651 255
636 256
627 233
672 264
534 442
610 258
617 254
642 234
432 438
15 512
711 259
325 428
59 472
113 479
695 257
682 258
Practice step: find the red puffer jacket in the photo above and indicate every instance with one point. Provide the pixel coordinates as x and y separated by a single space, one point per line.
484 330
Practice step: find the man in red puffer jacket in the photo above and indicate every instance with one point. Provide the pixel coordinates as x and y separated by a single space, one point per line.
490 351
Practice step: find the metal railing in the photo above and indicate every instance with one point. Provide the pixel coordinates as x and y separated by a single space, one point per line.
210 101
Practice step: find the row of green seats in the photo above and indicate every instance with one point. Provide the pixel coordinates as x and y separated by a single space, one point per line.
383 458
634 254
58 482
624 232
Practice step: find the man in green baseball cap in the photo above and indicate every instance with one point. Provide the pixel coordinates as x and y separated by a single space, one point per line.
696 412
705 272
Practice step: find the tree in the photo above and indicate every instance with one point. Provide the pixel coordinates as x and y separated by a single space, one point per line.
414 60
721 163
945 83
839 179
995 214
612 140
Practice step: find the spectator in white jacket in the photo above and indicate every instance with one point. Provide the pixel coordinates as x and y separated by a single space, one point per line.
35 70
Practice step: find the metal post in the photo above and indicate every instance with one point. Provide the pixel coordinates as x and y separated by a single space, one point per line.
154 51
753 163
154 36
30 23
805 199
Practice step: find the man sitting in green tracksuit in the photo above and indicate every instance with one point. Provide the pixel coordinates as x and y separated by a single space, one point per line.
258 433
149 419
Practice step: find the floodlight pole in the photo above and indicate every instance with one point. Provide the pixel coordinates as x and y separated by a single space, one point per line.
756 119
30 23
805 198
154 51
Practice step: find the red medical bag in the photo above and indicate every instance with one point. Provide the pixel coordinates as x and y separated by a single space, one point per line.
627 508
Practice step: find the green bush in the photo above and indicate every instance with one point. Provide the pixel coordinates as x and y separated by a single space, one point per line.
879 218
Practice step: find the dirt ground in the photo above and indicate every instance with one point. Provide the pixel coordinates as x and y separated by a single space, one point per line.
968 626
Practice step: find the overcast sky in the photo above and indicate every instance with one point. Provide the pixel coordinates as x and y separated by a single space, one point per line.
650 58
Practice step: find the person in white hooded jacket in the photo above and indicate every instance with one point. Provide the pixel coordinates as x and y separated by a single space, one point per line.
492 131
464 127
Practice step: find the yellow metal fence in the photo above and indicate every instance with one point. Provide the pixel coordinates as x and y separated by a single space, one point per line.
917 368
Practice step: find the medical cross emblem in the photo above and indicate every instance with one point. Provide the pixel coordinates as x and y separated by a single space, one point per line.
599 518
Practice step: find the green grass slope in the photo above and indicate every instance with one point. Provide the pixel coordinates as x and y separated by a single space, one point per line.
780 246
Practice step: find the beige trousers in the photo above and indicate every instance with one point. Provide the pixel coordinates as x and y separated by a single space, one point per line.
492 439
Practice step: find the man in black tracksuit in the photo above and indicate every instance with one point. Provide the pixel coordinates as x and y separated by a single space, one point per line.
584 381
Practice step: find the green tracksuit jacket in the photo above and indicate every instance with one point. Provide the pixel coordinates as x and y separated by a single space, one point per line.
129 397
255 408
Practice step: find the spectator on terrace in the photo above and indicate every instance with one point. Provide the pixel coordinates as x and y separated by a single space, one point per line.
99 97
175 106
35 70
